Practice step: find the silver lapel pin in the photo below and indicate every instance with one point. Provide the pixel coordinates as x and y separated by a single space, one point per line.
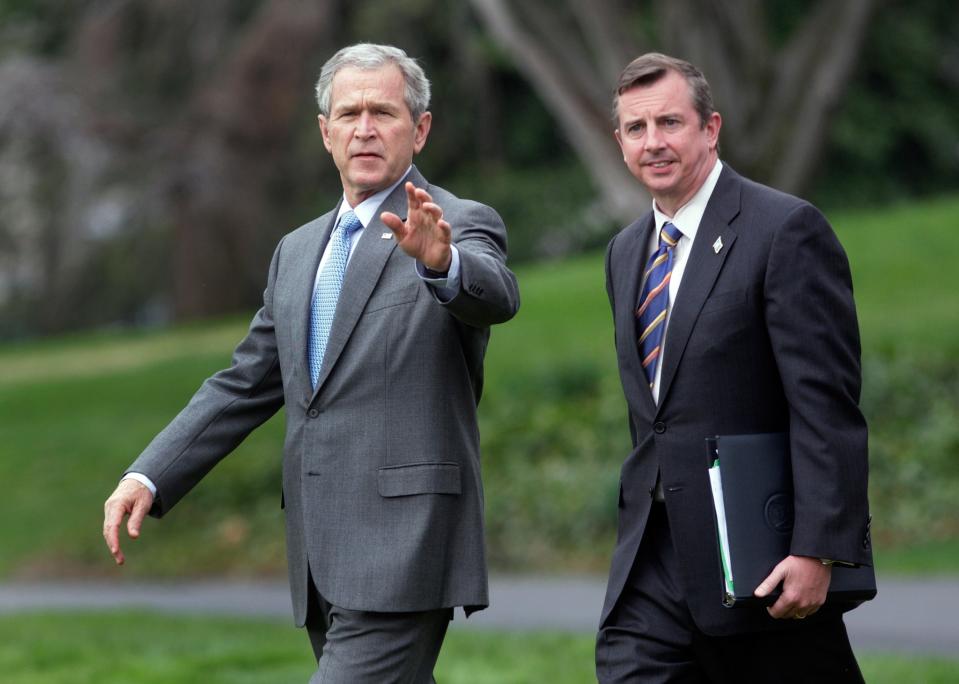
718 245
386 236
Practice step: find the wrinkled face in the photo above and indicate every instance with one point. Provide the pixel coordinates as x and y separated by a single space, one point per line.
370 131
664 144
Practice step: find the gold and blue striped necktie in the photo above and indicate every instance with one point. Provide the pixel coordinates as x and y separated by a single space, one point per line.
654 301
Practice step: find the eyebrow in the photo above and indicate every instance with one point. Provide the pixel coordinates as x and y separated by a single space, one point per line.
658 117
356 105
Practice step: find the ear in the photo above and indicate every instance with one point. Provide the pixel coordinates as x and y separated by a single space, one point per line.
713 124
619 138
325 131
421 131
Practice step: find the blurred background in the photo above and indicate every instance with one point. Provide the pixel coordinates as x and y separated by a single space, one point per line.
152 153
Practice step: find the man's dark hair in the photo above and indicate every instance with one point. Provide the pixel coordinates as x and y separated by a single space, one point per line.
649 68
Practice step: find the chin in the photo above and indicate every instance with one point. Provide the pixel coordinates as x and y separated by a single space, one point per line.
368 180
658 183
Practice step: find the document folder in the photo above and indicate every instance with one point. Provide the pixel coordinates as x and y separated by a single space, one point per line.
751 481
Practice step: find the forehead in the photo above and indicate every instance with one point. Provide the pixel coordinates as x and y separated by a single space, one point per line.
383 84
669 94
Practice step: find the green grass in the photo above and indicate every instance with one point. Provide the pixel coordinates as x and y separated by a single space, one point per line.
76 411
929 558
89 407
905 265
146 648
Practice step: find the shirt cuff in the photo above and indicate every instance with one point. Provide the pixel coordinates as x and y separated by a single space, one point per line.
446 287
142 479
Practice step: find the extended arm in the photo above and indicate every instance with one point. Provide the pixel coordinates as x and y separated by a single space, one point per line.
226 408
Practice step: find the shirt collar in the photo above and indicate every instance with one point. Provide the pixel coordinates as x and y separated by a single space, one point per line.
366 210
689 215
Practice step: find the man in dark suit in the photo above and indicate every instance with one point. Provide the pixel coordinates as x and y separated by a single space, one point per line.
374 325
733 314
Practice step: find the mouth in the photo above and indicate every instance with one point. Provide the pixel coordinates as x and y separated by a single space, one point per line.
364 156
659 164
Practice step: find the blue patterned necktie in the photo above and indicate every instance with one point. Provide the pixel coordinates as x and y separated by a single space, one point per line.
654 300
327 291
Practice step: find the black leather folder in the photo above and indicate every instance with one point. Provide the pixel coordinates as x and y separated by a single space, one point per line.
757 500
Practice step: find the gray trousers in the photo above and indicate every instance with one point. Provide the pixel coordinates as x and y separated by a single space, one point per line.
363 647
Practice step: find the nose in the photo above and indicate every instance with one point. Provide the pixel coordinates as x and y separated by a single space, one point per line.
365 125
653 140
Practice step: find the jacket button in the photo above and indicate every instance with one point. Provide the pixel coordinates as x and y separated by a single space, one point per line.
659 428
312 413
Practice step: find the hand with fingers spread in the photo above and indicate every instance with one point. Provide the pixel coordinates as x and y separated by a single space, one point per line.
129 498
424 235
805 582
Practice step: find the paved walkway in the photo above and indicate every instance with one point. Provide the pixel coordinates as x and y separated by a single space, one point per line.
909 615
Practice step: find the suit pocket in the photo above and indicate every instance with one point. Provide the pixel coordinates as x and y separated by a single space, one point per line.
721 301
419 478
394 297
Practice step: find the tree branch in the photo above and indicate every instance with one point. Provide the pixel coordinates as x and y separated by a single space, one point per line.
594 143
834 68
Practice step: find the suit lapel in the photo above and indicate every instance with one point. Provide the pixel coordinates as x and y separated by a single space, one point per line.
702 268
305 265
630 279
362 273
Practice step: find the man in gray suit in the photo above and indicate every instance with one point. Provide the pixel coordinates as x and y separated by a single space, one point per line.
372 334
733 314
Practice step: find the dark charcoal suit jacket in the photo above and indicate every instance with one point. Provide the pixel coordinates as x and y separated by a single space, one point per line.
762 337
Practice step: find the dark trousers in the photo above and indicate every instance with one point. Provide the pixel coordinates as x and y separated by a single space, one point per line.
650 636
364 647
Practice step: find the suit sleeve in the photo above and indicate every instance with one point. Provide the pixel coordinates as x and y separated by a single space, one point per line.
225 409
811 319
488 292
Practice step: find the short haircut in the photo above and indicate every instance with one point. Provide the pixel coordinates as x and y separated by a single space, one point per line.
649 68
372 56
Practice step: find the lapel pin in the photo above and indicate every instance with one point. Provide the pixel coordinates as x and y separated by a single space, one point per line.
718 245
386 236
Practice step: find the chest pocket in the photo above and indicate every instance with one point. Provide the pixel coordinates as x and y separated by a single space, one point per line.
722 301
404 294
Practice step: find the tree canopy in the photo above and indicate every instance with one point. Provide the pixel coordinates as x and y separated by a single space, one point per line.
152 154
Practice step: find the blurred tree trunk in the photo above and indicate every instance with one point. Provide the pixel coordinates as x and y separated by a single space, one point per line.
146 163
227 151
569 72
775 99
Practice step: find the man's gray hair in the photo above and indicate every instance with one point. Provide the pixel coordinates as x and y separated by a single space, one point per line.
372 56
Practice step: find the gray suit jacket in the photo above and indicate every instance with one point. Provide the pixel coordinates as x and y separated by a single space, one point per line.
762 337
381 464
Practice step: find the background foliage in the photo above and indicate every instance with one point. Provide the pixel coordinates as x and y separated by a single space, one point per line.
152 154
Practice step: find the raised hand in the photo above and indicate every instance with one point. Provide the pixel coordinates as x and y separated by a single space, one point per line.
424 235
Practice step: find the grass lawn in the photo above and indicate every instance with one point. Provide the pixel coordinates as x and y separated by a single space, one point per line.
134 648
906 286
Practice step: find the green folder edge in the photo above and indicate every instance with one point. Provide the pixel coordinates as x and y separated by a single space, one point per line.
729 599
